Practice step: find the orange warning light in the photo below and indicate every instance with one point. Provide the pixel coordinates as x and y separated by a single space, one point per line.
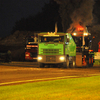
80 28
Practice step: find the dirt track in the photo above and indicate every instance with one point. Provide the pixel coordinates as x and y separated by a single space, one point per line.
20 72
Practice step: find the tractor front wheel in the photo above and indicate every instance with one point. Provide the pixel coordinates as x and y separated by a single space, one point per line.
41 65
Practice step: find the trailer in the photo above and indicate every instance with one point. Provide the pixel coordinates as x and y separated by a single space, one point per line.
31 48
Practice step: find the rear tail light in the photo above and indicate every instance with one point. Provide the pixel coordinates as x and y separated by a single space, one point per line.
27 54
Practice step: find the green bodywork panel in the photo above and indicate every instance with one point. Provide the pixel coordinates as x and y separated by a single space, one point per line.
51 49
57 48
70 47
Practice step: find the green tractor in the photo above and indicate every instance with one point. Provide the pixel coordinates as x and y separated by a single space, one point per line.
56 48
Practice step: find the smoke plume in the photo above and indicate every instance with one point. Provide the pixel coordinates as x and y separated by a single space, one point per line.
79 11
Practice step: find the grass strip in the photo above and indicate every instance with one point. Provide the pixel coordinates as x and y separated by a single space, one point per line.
85 88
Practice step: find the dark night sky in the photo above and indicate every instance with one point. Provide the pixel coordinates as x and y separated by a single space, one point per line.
13 10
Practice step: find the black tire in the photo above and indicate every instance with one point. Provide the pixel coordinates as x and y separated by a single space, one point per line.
66 64
90 64
41 65
73 63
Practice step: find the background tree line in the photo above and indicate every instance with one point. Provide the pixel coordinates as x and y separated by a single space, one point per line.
59 11
65 13
43 21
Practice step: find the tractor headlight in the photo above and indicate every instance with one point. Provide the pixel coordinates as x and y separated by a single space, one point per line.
74 34
62 58
85 34
39 58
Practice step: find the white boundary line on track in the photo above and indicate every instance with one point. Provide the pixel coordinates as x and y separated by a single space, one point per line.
24 81
14 82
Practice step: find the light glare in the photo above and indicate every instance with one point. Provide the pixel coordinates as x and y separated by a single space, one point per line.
74 34
27 55
62 58
39 58
85 34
